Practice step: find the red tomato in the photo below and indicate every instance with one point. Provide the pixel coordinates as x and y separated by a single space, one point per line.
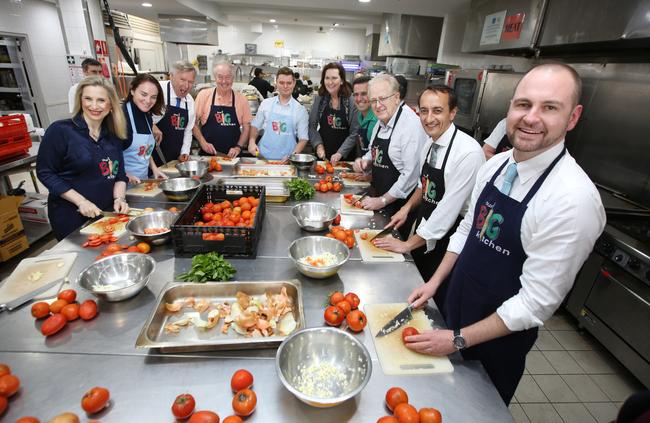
345 306
88 310
9 385
207 217
204 417
244 402
353 299
53 324
356 320
40 309
95 400
233 419
334 316
28 419
71 312
337 220
3 405
406 413
4 369
408 331
57 305
395 396
241 379
336 297
183 406
70 295
430 415
388 419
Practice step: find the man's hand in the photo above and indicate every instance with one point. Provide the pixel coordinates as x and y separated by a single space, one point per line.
89 209
157 174
398 218
157 134
320 151
121 206
437 342
234 152
209 148
252 148
360 165
391 244
183 158
336 157
372 203
421 294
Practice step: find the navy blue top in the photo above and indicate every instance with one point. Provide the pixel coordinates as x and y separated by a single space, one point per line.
141 118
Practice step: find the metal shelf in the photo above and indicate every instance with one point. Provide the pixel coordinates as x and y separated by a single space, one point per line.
10 90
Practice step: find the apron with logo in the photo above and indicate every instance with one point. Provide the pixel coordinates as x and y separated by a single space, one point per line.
136 157
222 127
334 128
279 140
487 274
172 125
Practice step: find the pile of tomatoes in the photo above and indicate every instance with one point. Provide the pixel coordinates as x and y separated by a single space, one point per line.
214 166
320 169
243 403
239 213
345 307
327 184
65 309
112 249
397 401
9 385
346 236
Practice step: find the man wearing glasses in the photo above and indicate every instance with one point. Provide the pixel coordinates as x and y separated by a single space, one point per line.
394 150
224 115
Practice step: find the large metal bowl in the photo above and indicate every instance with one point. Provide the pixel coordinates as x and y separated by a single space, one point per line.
338 361
118 277
302 161
179 189
193 168
313 246
156 219
314 217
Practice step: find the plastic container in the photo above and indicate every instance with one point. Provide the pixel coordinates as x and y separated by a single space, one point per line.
14 137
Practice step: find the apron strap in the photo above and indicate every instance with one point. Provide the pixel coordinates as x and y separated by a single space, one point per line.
494 177
214 96
444 162
542 178
135 131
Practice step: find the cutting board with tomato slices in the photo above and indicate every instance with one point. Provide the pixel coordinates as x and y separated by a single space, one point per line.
350 209
371 253
394 357
145 189
98 227
350 181
339 165
223 160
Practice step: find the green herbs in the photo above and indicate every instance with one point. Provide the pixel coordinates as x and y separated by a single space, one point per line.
208 267
300 189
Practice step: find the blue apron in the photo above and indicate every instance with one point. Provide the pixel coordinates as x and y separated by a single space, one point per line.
136 157
279 140
172 125
222 127
487 274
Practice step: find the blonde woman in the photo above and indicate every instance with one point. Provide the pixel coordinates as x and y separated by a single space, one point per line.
80 160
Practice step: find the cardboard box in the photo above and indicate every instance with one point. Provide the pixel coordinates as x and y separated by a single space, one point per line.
13 246
10 223
34 208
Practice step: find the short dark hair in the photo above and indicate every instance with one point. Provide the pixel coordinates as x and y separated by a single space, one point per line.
296 75
403 86
89 62
257 72
361 80
140 79
345 87
577 91
285 71
452 99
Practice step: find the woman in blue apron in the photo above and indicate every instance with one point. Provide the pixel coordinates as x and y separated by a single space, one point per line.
145 98
279 138
172 125
221 129
473 293
80 160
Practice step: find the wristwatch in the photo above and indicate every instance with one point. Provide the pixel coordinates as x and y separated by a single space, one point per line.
459 341
383 200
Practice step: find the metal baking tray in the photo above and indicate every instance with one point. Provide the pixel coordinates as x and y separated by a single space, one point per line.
275 187
191 338
270 171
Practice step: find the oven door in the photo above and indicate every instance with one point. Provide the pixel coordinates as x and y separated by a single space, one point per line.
468 85
622 303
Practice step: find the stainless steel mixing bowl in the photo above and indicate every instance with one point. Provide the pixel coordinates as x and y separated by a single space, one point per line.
118 277
314 217
313 246
193 168
302 161
179 189
323 366
156 219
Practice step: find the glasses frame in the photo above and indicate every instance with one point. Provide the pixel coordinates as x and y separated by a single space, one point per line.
381 100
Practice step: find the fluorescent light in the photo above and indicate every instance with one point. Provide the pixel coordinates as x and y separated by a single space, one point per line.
364 1
336 24
147 5
272 20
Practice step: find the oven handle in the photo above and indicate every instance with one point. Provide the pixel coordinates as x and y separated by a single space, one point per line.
608 275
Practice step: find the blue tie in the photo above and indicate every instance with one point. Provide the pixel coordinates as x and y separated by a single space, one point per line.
178 102
511 174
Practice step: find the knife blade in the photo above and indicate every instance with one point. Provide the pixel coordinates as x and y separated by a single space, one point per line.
396 322
21 300
364 195
384 232
160 154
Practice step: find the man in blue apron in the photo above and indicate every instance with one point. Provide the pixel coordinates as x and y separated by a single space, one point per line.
283 120
534 217
177 123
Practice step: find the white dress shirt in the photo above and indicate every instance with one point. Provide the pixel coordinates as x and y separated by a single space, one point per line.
191 119
294 109
465 159
497 134
71 92
558 231
404 149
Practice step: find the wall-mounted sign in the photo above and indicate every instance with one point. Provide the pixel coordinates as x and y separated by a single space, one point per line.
513 26
492 27
279 43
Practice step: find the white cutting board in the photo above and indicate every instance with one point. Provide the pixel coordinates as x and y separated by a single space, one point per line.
346 166
52 266
140 191
97 227
394 357
349 182
349 209
371 253
222 160
170 168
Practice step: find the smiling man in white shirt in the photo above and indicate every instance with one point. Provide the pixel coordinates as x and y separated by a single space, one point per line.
534 217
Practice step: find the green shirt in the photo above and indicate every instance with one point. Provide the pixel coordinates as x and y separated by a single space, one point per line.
368 123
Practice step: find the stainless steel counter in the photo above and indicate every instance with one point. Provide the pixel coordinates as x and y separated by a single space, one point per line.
143 383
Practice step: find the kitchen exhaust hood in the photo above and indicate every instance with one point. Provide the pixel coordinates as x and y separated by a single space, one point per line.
410 36
188 30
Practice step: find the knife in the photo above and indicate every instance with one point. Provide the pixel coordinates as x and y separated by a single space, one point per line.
384 232
364 195
21 300
160 154
396 322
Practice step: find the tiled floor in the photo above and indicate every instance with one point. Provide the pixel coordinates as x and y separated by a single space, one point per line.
570 378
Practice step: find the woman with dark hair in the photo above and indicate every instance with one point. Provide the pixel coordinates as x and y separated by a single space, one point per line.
333 123
144 100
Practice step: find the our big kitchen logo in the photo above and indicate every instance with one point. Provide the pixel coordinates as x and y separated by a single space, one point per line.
145 150
488 227
335 122
428 190
224 119
279 127
178 121
378 157
108 168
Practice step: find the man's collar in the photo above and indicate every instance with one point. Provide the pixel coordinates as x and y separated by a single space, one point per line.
536 165
391 121
444 139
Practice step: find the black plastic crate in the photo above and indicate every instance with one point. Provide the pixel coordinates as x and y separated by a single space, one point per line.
239 241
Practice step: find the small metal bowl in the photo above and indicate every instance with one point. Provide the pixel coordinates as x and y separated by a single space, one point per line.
314 217
313 246
193 168
302 161
179 189
118 277
330 349
157 219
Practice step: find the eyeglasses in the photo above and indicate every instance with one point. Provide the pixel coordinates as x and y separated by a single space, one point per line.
380 100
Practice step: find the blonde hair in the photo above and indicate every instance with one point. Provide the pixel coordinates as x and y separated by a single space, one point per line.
115 120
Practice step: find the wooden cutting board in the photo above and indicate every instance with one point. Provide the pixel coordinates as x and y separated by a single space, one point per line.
349 209
170 168
51 267
223 160
371 253
143 190
97 227
394 357
339 165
